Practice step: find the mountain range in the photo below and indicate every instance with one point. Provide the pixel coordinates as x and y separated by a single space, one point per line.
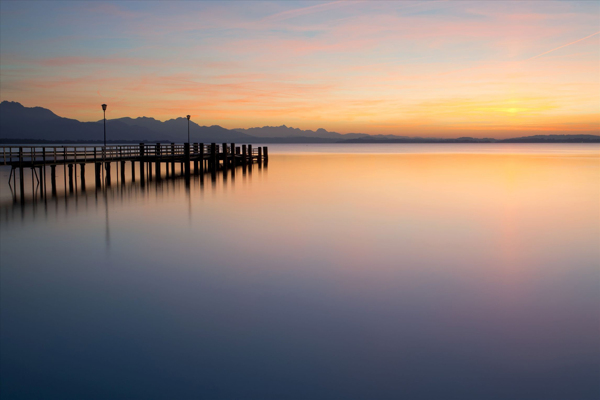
20 124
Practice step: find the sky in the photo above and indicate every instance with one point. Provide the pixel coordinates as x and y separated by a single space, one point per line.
431 68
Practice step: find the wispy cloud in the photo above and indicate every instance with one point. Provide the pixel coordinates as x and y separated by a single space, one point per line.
564 45
288 14
380 67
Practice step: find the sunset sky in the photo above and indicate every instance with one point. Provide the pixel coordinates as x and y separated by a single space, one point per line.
445 69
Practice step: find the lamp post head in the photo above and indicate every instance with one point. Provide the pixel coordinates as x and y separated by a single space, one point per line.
104 107
188 117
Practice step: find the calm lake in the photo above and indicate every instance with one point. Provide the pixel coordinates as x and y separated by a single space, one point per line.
401 271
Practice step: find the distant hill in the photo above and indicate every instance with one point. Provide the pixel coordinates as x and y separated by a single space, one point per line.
555 139
19 124
289 132
526 139
176 130
35 123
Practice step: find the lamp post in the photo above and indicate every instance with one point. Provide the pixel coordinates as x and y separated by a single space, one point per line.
104 109
188 117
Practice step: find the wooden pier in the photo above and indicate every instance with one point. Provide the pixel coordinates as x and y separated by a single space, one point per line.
194 158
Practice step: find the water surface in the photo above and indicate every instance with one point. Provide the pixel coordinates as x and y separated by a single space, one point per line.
337 271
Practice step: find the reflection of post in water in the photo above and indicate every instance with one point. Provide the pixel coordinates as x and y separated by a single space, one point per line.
127 191
265 155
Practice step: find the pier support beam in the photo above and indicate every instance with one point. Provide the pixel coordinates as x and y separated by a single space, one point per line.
98 168
21 182
122 172
225 157
173 159
42 183
259 159
53 179
213 156
82 172
108 177
70 178
157 153
201 155
232 149
142 165
186 156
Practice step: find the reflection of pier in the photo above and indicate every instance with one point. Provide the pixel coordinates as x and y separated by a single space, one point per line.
149 159
104 197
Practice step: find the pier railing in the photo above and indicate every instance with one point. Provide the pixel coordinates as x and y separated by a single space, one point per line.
46 155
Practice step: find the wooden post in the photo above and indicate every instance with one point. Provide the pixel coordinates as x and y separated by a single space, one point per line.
250 159
82 172
70 178
157 161
122 172
132 171
21 183
265 154
201 156
259 157
244 155
186 156
173 159
108 177
53 179
97 171
42 187
195 158
232 149
142 165
43 173
224 156
213 156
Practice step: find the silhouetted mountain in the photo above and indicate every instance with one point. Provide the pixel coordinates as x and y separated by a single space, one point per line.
527 139
176 130
36 124
555 139
289 132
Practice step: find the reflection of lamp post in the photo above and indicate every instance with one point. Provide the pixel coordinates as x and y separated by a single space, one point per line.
104 109
188 117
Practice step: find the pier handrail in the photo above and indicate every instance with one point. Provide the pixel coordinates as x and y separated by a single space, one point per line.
85 153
